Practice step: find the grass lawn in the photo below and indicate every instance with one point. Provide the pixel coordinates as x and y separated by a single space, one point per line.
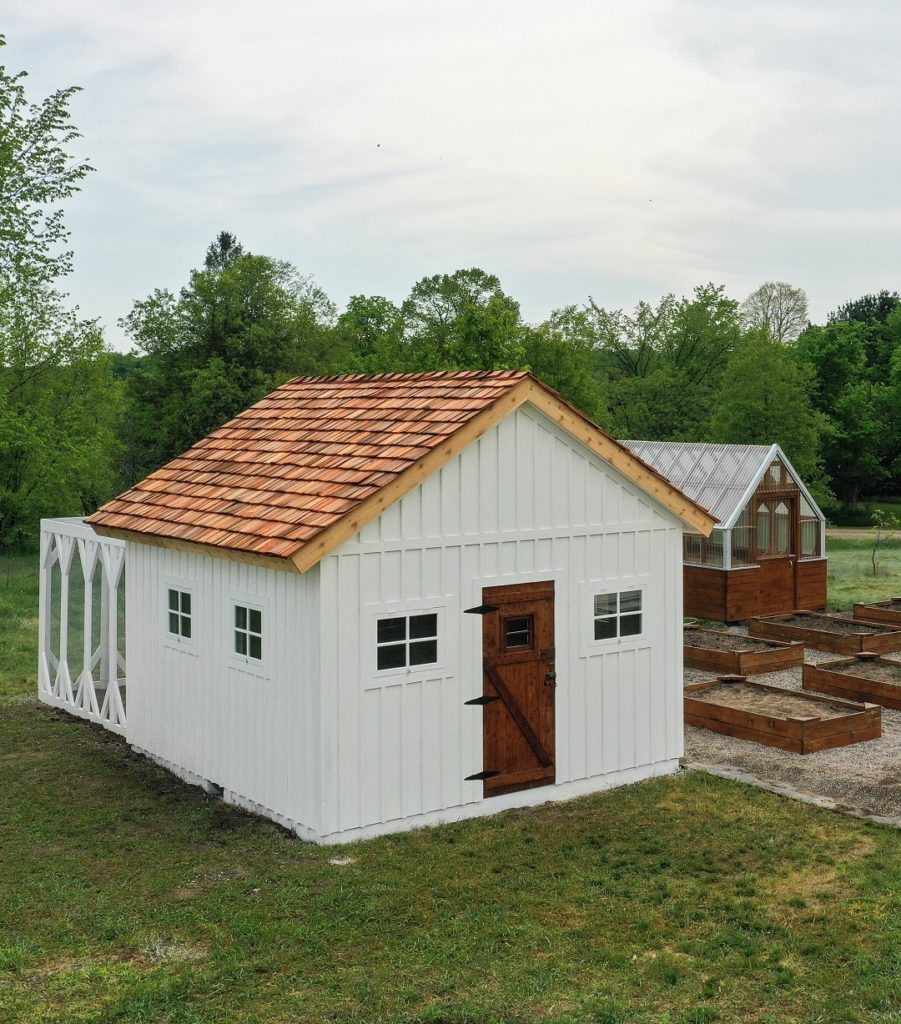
128 897
851 572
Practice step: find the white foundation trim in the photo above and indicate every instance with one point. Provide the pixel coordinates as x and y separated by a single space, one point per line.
480 809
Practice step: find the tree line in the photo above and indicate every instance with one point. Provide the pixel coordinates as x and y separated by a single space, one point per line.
79 422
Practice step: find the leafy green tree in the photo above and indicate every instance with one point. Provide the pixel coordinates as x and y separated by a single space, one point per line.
371 330
58 398
777 310
242 326
37 173
764 399
461 321
562 352
665 363
58 409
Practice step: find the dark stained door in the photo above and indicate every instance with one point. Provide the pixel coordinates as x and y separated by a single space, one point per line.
519 685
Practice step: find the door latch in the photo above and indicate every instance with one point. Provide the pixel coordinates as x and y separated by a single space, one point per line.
550 679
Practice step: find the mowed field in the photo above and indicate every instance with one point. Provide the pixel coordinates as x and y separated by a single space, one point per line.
126 896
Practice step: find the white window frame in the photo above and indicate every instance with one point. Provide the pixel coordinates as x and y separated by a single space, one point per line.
378 677
187 645
244 662
597 588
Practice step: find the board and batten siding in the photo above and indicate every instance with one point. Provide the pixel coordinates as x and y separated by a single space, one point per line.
525 502
197 709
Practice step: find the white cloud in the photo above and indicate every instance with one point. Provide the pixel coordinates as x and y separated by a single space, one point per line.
621 150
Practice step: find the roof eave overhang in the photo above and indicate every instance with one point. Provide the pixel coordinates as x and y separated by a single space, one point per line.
176 544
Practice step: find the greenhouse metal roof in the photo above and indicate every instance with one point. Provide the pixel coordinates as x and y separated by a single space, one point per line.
719 477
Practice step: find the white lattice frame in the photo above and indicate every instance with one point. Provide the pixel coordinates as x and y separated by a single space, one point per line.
60 540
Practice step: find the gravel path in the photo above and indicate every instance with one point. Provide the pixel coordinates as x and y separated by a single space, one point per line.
865 775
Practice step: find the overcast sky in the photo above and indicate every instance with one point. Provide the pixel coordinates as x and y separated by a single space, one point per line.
571 148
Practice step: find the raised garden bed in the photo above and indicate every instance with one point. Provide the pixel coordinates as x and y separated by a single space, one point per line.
888 612
777 717
827 632
863 677
735 654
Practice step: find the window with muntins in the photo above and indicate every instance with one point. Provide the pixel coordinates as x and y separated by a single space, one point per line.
179 614
248 632
617 615
405 641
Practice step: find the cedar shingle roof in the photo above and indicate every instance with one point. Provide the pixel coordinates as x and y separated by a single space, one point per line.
303 457
309 465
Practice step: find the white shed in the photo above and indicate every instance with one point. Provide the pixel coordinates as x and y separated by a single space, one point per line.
373 603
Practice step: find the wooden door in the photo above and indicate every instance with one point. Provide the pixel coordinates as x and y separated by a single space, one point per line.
519 685
777 532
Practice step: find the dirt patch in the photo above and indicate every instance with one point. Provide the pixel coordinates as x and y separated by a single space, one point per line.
844 626
870 668
712 640
747 697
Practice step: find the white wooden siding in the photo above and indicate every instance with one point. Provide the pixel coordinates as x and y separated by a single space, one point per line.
525 502
255 733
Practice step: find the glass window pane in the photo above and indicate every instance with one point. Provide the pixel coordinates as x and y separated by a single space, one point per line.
256 621
605 604
423 625
393 656
518 632
186 626
185 603
240 642
604 629
173 623
256 647
423 652
763 528
240 616
173 600
630 601
392 630
630 625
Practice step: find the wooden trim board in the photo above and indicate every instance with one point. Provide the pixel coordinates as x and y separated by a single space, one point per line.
825 678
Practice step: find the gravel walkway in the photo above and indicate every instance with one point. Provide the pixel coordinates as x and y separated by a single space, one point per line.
866 776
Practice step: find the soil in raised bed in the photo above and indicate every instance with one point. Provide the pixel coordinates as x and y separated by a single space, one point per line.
712 640
846 626
765 702
869 668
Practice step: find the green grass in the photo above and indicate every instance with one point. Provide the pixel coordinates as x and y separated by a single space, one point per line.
851 572
128 897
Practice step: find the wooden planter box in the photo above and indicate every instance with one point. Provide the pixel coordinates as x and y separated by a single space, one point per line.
749 655
844 679
827 632
789 719
888 612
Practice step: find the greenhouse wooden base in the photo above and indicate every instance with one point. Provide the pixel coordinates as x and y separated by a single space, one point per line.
749 655
777 717
865 677
888 612
827 632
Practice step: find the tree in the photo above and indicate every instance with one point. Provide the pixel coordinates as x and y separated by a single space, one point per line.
241 326
884 525
461 321
58 397
36 174
665 363
776 309
58 409
765 399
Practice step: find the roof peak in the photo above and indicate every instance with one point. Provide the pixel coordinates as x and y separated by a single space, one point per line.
417 375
